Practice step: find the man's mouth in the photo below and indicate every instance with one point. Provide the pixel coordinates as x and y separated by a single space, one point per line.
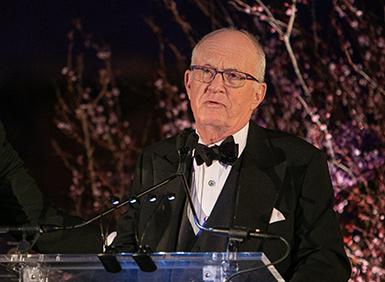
213 104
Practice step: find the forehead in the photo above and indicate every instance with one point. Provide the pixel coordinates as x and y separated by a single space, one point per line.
230 50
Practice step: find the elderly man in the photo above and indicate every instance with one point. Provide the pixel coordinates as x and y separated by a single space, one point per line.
264 180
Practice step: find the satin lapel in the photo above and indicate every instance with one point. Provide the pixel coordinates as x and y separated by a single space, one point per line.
262 174
165 165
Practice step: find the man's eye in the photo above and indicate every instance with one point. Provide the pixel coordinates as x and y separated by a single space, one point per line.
234 75
206 70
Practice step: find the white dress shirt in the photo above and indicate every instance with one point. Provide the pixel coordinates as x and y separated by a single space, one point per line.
207 182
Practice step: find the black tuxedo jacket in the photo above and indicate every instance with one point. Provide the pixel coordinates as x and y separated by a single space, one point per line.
277 171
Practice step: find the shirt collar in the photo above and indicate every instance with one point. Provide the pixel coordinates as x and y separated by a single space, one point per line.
240 138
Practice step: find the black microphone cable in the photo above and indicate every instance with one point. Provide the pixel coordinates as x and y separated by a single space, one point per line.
252 269
237 233
184 147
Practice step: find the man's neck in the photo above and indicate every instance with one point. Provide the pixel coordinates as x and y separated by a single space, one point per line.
211 134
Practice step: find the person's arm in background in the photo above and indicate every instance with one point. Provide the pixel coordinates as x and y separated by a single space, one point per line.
20 199
21 202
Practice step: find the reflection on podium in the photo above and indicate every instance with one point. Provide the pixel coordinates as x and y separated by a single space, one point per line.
170 267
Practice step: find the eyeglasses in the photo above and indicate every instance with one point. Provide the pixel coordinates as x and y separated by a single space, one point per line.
231 78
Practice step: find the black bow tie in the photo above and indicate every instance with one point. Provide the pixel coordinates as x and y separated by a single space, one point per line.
226 153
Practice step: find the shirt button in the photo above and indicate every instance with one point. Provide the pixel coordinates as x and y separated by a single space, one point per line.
211 183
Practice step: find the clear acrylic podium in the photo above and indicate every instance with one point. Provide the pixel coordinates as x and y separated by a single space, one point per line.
170 267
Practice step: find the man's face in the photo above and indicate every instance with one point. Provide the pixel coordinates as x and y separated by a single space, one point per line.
215 104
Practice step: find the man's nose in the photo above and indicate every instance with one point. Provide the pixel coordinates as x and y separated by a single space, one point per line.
218 80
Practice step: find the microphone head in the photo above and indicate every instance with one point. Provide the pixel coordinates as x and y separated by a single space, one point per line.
186 141
192 141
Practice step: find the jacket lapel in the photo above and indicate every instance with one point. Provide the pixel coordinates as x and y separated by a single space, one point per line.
166 227
262 173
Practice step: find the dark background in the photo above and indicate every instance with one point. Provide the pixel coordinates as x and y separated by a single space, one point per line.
32 54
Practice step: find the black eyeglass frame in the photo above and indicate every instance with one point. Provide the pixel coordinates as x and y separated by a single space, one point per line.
248 76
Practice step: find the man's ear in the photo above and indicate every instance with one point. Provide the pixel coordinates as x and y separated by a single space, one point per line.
187 81
259 95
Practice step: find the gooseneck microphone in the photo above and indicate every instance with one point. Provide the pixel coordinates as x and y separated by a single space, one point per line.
52 228
185 147
34 229
185 144
238 234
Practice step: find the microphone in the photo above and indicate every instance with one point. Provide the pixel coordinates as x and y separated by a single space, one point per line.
235 235
109 261
23 228
185 144
238 234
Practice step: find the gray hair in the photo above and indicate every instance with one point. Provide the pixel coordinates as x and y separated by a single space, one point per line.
261 63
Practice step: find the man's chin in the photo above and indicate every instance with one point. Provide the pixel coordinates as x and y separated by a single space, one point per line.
213 122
